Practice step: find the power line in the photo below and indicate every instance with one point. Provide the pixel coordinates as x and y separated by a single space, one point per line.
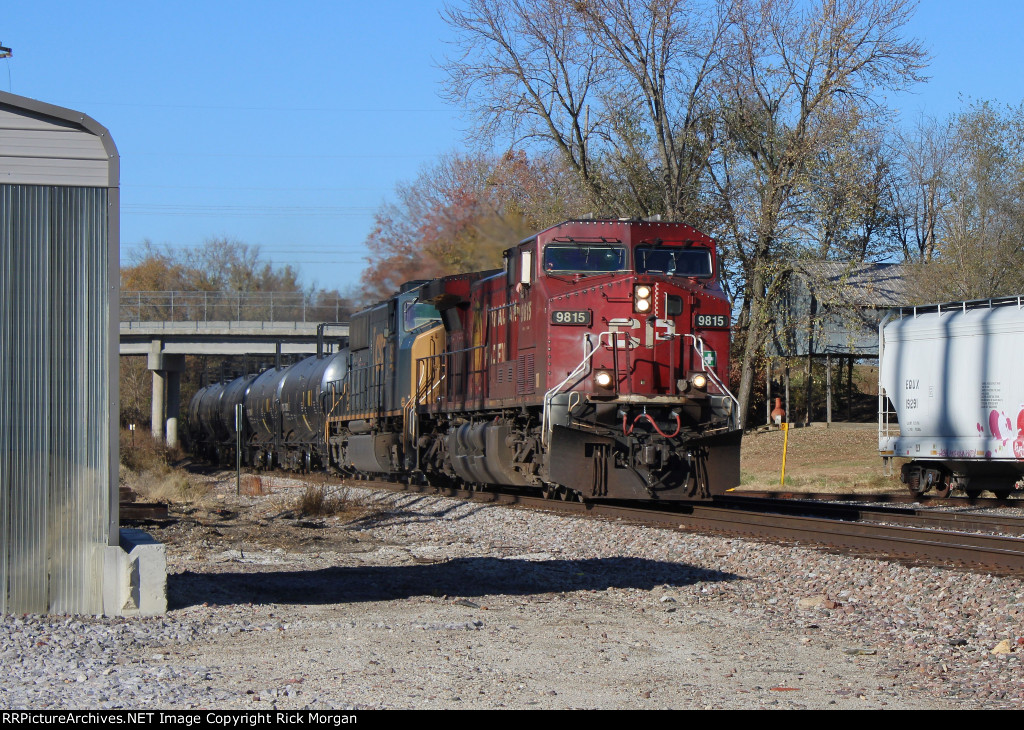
170 209
318 156
319 110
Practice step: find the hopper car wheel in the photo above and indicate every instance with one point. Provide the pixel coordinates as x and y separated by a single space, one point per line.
549 491
1001 493
942 489
914 482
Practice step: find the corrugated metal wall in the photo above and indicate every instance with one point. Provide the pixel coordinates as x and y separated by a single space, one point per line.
54 398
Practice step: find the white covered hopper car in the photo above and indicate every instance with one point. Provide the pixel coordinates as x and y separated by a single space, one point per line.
951 395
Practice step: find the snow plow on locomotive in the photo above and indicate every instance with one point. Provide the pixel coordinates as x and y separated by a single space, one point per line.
592 366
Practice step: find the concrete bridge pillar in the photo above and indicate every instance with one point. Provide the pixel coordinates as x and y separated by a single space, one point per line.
166 369
157 409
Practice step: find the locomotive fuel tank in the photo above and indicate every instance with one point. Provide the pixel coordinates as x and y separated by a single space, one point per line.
951 375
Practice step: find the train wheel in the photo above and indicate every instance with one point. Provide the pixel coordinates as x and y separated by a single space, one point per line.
913 482
1001 493
941 490
548 491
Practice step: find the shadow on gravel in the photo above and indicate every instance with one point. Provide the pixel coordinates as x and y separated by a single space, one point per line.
410 513
458 577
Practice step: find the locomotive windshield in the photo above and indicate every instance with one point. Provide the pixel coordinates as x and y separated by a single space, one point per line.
572 258
673 261
417 313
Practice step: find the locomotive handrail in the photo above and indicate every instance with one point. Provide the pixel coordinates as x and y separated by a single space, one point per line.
429 377
452 374
578 371
698 345
884 429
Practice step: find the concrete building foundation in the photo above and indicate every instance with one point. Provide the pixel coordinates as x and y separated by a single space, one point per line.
135 576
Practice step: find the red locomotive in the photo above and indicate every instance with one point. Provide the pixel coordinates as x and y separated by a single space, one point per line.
592 367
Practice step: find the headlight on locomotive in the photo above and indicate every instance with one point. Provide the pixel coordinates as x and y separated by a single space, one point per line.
696 381
642 298
604 379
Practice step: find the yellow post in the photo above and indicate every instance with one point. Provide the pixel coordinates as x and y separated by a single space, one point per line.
785 445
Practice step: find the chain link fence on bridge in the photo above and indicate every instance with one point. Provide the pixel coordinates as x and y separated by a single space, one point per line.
199 306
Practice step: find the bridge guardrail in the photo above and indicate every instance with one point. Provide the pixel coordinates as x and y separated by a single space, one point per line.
201 306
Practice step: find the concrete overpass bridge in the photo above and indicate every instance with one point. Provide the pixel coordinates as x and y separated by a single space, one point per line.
166 326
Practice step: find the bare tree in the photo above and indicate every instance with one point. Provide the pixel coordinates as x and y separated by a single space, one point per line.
795 75
849 211
624 89
923 156
981 240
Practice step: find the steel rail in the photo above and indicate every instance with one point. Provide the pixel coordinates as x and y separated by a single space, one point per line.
902 497
914 517
945 548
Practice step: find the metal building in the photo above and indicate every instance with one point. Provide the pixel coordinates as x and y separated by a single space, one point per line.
59 243
830 311
833 308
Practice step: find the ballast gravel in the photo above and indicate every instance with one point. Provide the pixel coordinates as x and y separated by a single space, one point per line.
427 602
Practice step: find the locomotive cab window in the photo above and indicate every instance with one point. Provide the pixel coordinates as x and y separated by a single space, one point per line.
419 313
671 261
571 258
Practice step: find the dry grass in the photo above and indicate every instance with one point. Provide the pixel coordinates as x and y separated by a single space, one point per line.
146 468
319 500
843 458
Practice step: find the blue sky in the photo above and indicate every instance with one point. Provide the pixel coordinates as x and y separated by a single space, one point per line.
287 125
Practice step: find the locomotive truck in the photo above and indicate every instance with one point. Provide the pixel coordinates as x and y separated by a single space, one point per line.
591 366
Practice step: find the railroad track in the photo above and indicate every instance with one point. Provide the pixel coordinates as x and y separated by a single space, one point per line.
902 497
963 540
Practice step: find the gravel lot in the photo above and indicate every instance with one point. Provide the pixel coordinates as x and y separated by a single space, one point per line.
425 602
